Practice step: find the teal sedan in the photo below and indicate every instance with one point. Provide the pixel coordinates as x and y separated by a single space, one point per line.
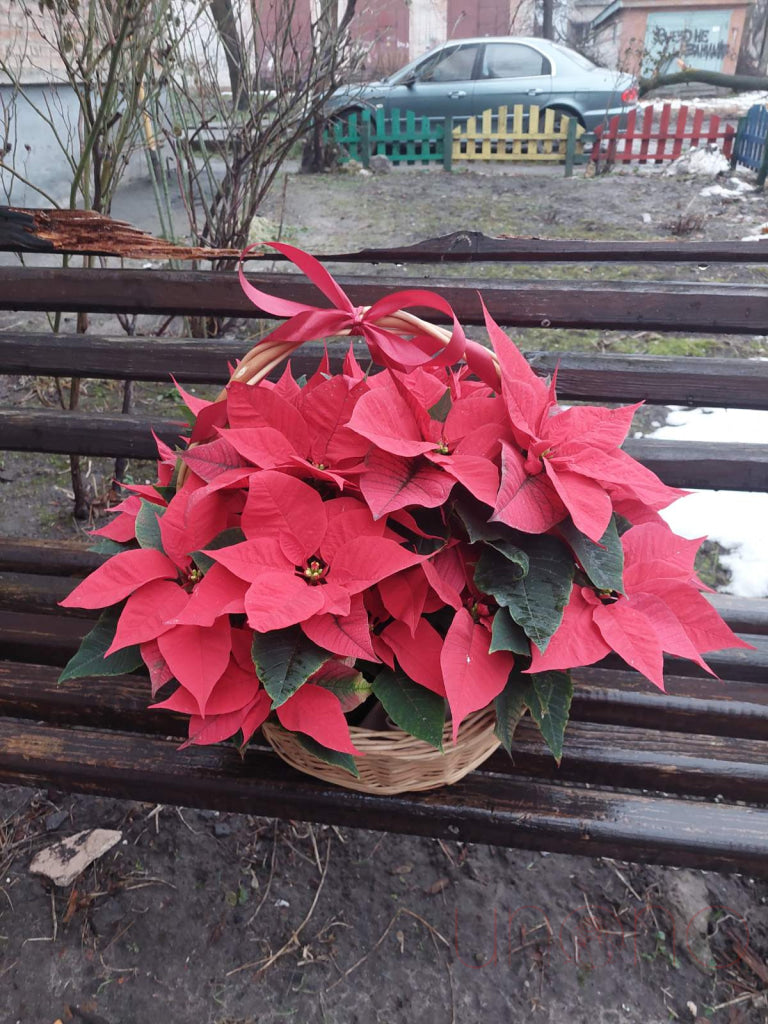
464 77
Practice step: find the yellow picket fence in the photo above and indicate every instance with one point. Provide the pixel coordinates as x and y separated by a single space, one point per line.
529 134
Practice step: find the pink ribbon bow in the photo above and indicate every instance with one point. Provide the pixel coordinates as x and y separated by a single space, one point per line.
388 347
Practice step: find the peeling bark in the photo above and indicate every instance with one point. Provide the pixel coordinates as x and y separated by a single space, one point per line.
91 234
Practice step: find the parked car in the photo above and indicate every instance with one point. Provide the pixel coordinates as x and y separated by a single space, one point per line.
464 77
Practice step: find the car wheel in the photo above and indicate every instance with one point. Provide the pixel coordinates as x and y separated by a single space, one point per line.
561 112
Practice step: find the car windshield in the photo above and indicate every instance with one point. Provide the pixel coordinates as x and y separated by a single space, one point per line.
577 58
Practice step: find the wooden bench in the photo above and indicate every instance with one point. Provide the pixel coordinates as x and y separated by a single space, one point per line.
678 779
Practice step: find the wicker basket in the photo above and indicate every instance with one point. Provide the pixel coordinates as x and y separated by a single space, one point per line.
394 761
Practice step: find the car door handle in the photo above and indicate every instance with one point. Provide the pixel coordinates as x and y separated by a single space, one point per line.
458 94
534 92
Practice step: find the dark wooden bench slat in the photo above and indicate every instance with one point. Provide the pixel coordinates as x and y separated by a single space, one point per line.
57 636
737 709
736 769
743 614
70 558
632 757
733 663
21 592
687 464
722 308
61 557
86 232
737 383
474 246
32 691
733 708
56 431
704 465
660 380
485 807
39 638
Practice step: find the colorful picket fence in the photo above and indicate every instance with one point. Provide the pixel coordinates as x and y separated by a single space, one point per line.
652 136
525 133
751 146
402 136
528 133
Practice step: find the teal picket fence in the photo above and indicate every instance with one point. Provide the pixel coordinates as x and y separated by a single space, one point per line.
751 146
401 136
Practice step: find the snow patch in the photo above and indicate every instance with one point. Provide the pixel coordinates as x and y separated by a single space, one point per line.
735 519
760 234
733 188
702 161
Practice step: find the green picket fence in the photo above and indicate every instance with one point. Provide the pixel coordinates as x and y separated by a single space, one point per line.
515 135
401 136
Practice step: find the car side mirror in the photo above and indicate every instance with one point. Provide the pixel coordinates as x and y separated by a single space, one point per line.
410 80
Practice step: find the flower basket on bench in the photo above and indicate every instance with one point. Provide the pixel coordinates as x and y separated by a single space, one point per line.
438 540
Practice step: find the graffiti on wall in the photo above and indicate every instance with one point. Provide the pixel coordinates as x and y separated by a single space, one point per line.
697 38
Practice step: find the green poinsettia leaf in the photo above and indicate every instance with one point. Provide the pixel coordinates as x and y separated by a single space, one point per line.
225 539
284 660
168 492
506 635
622 524
537 598
185 412
335 757
512 551
353 685
148 525
440 409
510 707
495 574
604 562
475 517
89 659
107 546
547 696
413 708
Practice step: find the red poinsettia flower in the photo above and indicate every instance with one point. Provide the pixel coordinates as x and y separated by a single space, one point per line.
308 561
416 458
307 436
661 611
170 603
565 462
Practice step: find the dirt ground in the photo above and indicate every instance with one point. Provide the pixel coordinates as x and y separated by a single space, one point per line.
231 919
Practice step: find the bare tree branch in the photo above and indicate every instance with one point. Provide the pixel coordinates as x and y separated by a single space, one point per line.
739 83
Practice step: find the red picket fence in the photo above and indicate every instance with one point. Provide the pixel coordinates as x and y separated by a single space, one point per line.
650 136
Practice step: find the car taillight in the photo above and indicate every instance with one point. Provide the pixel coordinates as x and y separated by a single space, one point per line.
629 95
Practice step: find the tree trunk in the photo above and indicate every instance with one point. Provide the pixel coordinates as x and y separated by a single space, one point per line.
739 83
547 28
224 19
316 156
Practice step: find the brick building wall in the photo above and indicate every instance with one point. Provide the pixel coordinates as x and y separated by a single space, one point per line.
23 45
